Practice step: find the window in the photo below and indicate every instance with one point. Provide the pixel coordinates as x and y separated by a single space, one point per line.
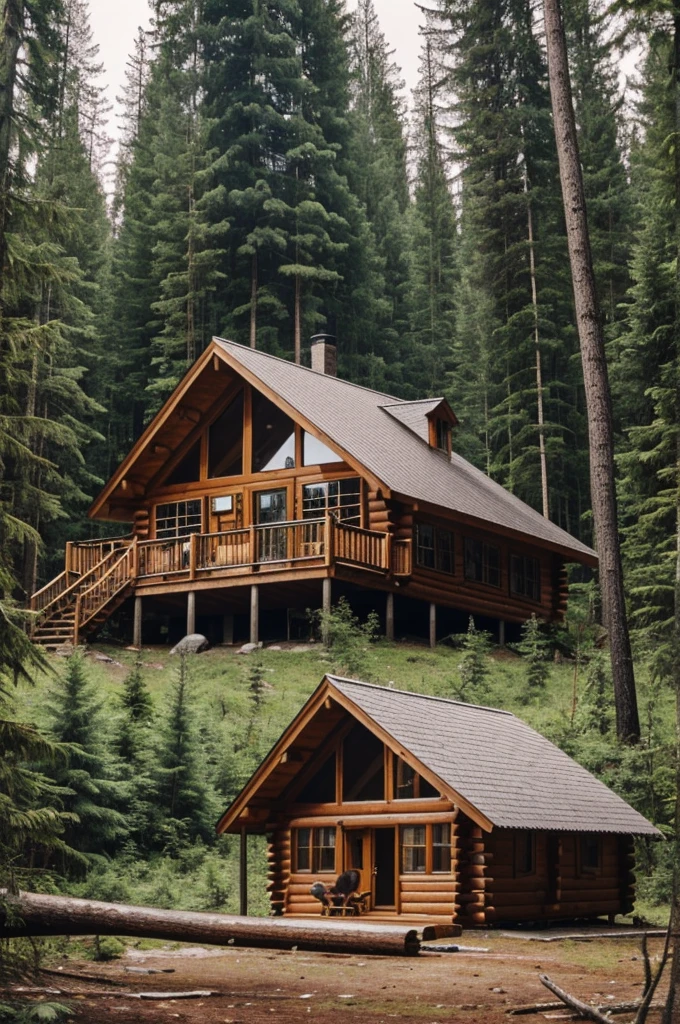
273 436
434 548
323 849
188 469
315 849
525 853
408 784
178 519
223 503
413 848
482 562
341 497
589 854
525 577
225 441
441 848
443 435
321 787
315 452
363 765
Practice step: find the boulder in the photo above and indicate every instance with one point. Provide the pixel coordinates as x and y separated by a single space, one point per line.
249 648
194 643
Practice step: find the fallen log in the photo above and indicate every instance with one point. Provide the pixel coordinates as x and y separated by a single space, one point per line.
33 914
580 1008
607 1008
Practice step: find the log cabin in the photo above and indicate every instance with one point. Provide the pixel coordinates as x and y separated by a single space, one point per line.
263 488
451 813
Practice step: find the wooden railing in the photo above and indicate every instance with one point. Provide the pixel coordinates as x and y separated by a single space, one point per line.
52 590
366 548
66 596
163 557
94 598
81 556
402 557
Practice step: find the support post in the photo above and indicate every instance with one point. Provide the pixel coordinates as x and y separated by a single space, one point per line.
501 632
137 623
191 612
227 629
389 616
243 873
326 595
433 625
254 613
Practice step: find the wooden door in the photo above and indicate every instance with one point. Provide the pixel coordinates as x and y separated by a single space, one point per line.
384 869
271 507
358 855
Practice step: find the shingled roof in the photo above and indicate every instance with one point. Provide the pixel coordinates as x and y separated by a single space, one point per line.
382 434
496 762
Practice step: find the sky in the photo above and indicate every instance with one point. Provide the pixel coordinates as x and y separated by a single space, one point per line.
115 23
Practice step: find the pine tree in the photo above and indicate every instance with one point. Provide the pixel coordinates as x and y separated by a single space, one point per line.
535 648
92 777
474 667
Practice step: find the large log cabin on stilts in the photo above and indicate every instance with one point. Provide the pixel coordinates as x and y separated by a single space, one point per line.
451 814
263 488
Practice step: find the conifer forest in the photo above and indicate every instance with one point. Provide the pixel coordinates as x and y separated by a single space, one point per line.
272 179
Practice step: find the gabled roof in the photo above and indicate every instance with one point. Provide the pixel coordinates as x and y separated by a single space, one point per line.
357 420
502 772
381 436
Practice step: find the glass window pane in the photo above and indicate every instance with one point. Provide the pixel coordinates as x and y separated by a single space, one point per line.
413 848
273 436
441 847
188 470
178 519
340 497
363 769
404 779
225 441
315 452
304 849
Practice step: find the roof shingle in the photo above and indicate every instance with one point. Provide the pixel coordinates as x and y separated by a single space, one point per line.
495 761
389 444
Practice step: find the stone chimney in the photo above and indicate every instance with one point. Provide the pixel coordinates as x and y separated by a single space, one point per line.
324 354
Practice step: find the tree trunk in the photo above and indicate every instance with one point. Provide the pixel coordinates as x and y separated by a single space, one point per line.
11 32
253 301
539 368
598 398
298 319
32 914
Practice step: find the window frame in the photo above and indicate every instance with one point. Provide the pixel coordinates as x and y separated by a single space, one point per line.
524 840
586 869
195 527
486 548
428 847
397 763
412 847
336 508
438 534
315 849
521 591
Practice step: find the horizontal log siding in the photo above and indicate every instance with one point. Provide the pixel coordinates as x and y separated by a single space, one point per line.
559 890
278 869
431 895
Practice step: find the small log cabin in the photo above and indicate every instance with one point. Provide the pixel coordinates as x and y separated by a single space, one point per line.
263 488
452 813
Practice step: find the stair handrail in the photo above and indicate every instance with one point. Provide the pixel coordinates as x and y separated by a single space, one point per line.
60 579
82 596
53 606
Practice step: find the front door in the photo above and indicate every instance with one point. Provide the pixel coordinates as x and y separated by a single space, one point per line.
384 869
358 855
271 507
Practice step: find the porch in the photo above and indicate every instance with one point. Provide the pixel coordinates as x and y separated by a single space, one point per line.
99 575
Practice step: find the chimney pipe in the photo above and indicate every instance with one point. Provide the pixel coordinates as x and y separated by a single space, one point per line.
324 354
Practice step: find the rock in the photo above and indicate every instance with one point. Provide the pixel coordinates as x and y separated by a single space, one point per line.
275 647
103 657
194 643
248 648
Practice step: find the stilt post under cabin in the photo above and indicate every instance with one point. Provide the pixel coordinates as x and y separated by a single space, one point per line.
243 873
389 616
191 612
501 632
254 614
137 624
326 595
433 625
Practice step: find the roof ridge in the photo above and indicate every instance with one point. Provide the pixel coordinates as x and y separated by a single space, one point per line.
411 401
317 373
425 696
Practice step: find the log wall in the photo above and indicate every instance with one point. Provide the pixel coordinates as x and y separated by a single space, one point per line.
278 869
558 888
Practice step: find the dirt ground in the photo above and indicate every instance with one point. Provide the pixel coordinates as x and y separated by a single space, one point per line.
254 986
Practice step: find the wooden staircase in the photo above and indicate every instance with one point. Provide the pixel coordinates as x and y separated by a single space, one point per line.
75 604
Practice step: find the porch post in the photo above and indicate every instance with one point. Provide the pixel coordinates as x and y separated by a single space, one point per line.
254 613
389 616
433 624
137 623
326 595
227 629
191 612
243 873
501 632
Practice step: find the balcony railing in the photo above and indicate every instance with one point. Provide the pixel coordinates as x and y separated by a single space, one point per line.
272 546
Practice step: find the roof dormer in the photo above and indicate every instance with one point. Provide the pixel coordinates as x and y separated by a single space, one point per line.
432 419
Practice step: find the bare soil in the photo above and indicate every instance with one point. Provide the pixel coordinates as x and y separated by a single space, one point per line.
433 988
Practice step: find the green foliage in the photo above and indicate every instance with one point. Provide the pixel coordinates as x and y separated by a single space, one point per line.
536 649
346 638
32 1013
473 668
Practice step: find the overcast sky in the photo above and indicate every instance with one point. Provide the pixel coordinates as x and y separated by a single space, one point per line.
115 23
